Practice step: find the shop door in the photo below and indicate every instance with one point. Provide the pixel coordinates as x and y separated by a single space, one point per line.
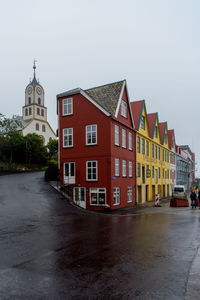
79 196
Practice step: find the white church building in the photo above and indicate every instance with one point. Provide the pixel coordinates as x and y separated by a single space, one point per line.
34 112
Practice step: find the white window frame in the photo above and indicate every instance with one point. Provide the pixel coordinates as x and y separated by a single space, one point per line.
116 166
123 168
96 167
116 196
69 179
130 141
123 109
130 169
98 191
86 134
123 138
67 106
116 135
130 194
68 134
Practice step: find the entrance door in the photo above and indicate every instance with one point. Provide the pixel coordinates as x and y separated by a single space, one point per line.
69 173
147 193
79 196
139 195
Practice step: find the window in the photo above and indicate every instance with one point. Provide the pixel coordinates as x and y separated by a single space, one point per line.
38 111
163 173
91 135
124 109
43 128
123 138
153 150
39 101
68 137
159 153
130 141
142 124
26 112
97 196
143 146
165 138
147 148
138 144
67 106
37 126
124 168
130 169
116 195
30 111
153 172
42 112
116 166
156 131
156 151
91 169
138 170
117 135
130 194
69 173
158 172
29 100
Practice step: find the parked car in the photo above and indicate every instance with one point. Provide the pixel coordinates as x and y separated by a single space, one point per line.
179 192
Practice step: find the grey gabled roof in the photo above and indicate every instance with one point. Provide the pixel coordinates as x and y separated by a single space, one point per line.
107 96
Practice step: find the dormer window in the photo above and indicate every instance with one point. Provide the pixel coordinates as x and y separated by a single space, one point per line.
142 124
165 138
39 101
67 106
124 109
29 100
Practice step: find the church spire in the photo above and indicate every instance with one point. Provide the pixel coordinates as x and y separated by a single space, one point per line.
34 67
34 81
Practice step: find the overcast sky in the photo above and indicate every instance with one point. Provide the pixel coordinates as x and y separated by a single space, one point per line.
153 44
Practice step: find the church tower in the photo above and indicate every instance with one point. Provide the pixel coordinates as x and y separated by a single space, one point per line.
34 112
34 101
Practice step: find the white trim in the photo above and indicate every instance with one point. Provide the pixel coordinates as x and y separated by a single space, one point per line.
69 179
87 170
98 188
72 138
123 138
117 174
124 168
94 103
118 203
128 189
116 144
120 97
86 135
63 114
130 163
130 139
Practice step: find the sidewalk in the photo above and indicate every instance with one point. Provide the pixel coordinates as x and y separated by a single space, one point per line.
121 211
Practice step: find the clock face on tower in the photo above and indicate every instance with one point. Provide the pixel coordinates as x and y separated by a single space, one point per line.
30 90
39 90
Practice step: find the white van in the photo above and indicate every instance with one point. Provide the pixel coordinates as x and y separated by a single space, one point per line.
179 192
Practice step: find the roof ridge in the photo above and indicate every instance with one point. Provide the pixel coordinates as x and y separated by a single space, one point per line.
100 86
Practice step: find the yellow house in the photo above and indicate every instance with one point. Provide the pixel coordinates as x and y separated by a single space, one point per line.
152 154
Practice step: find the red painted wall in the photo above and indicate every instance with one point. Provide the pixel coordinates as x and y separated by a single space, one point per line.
105 152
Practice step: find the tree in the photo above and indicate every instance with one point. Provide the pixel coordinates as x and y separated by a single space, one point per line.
52 148
10 124
35 150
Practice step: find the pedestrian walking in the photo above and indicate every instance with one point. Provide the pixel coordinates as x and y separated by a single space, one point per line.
193 198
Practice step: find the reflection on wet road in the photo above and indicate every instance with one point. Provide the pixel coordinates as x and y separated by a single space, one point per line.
52 250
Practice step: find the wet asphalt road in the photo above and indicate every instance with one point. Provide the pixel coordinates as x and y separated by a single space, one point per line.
50 249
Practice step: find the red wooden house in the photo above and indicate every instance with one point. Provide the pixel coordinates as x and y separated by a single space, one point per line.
97 146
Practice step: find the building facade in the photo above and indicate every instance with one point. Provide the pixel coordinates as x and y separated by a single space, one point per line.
97 146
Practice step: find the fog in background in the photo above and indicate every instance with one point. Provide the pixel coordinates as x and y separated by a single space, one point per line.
153 44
